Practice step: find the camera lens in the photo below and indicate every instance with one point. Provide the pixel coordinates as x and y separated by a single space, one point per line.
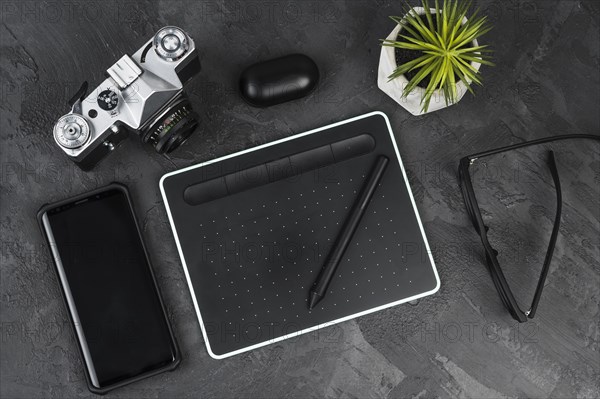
172 128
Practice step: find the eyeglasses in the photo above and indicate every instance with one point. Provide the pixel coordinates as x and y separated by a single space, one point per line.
491 255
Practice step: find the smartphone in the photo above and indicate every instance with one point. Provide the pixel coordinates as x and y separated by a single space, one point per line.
109 288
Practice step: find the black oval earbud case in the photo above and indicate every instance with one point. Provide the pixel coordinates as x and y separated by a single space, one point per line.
278 80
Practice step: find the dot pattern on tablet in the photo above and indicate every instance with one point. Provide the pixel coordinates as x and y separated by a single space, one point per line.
259 252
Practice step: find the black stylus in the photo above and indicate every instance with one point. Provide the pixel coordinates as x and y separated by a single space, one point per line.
345 236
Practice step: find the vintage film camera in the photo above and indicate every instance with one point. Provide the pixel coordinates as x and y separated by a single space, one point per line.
143 93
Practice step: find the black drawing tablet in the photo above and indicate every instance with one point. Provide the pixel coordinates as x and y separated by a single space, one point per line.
254 228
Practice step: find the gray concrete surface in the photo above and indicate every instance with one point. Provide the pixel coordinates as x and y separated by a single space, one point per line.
457 343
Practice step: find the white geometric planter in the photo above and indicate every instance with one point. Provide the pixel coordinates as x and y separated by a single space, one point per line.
394 88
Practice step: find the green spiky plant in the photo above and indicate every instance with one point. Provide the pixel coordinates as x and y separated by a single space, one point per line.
446 47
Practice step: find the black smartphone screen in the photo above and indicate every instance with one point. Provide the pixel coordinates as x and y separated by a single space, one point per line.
111 293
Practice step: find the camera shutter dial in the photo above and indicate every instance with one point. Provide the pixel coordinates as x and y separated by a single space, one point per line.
71 131
108 100
171 43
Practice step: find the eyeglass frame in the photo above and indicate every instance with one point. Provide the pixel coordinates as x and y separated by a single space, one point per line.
474 212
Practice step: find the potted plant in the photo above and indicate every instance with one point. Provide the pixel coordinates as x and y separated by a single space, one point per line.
431 58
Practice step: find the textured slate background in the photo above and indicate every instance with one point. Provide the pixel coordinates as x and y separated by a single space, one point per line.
458 343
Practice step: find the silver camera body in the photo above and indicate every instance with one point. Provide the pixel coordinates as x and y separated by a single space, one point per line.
142 93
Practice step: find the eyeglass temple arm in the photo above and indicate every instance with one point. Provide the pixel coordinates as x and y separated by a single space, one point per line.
553 237
491 254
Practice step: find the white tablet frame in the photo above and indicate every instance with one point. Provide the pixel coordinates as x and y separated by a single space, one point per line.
306 330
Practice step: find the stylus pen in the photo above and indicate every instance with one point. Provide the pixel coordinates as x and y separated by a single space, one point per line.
358 210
